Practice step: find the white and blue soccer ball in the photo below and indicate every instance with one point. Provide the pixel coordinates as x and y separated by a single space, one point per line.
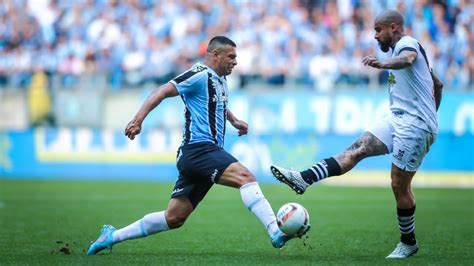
292 218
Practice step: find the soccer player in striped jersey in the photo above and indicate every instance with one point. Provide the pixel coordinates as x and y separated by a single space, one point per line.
201 159
415 95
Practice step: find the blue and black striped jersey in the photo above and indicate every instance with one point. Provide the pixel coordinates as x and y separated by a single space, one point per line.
205 96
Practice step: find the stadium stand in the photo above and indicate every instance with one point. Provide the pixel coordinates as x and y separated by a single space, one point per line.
307 43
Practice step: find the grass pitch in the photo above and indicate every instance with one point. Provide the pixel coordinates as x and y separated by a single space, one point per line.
38 219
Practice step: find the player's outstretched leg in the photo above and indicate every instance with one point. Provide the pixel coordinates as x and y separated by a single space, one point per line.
238 176
365 146
292 178
256 202
104 241
300 181
151 223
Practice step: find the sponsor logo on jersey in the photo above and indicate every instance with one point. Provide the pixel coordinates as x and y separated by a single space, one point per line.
391 79
220 99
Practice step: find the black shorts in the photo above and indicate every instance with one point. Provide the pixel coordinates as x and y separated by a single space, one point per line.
200 165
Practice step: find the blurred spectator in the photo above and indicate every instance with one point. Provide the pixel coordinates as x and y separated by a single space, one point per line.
317 44
39 103
323 69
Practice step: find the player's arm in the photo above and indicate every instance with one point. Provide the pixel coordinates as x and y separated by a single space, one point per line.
437 88
404 59
153 100
241 125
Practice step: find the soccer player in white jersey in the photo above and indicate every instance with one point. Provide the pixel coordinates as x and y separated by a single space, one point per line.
415 95
201 159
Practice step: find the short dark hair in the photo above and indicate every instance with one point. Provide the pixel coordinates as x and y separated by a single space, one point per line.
390 16
218 42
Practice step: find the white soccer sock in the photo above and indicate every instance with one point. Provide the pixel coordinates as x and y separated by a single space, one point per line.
256 202
151 223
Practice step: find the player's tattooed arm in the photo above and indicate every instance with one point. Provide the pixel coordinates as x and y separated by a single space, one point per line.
241 125
404 59
437 88
366 146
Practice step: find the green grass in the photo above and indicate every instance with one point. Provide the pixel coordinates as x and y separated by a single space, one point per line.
350 225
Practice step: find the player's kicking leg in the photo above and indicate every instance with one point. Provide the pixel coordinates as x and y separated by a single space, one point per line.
238 176
367 145
174 217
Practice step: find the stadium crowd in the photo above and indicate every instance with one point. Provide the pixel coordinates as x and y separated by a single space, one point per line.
313 43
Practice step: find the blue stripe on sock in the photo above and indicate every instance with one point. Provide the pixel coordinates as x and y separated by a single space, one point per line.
254 203
142 228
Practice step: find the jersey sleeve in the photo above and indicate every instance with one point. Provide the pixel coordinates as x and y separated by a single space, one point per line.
406 44
189 81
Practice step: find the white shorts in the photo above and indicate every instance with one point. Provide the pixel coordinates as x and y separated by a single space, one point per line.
407 142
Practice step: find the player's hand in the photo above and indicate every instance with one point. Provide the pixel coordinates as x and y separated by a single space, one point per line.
242 126
133 128
372 61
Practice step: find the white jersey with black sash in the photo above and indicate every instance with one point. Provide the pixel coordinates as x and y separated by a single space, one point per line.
411 88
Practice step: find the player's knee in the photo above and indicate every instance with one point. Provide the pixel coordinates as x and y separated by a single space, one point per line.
236 176
175 220
246 177
399 187
395 186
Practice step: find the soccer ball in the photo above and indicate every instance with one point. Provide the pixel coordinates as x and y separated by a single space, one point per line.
292 218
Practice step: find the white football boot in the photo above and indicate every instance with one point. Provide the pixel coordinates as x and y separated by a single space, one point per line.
292 178
403 251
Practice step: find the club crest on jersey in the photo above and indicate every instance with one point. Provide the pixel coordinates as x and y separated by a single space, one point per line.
198 68
391 79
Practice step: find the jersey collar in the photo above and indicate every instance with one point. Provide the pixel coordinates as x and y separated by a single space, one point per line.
221 79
